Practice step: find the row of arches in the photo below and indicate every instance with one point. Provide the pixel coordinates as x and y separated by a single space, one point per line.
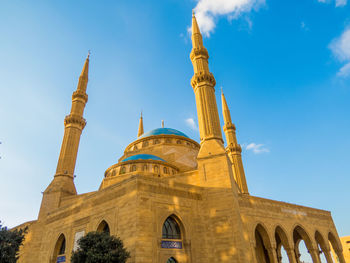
158 169
296 248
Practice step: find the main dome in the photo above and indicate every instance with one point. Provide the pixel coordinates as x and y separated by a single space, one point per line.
163 131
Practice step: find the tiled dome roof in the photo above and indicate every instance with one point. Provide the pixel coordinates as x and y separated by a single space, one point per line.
143 157
163 131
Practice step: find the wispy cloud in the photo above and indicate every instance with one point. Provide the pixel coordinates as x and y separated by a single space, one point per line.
340 48
257 148
338 3
208 11
192 124
304 26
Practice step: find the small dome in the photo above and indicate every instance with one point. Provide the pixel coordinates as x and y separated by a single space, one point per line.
143 157
163 131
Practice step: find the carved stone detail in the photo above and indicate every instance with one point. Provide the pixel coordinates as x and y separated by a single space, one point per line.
80 95
199 52
75 119
201 77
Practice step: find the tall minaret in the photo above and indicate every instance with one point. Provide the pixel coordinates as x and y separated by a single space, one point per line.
233 149
63 183
203 83
140 132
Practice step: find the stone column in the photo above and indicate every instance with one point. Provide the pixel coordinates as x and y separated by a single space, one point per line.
315 254
327 254
339 253
272 254
291 255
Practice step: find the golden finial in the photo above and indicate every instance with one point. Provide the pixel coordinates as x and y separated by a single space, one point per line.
89 53
193 13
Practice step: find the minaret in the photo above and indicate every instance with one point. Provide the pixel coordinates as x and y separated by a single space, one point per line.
140 132
214 165
233 149
63 183
203 83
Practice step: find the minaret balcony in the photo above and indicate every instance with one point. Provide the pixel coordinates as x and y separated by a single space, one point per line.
75 120
206 77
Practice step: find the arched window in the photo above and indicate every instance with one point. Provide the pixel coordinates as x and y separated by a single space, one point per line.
103 227
178 142
171 229
123 170
145 144
60 248
171 260
133 168
168 141
145 168
156 169
165 170
156 141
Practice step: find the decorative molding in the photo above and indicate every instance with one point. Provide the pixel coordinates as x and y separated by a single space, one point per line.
75 119
203 77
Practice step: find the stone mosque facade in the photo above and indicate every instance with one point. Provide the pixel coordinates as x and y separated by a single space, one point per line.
172 199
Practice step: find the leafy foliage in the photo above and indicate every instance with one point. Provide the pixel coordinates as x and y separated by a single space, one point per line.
10 241
99 247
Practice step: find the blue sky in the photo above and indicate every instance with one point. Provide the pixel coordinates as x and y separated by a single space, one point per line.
283 65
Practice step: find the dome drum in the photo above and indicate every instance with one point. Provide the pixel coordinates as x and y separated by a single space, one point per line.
147 167
157 140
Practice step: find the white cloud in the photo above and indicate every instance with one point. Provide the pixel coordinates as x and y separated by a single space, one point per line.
207 11
341 50
304 26
344 71
257 148
192 124
338 3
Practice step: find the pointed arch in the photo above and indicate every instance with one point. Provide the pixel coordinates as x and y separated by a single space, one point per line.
60 248
337 247
262 245
103 227
323 245
282 242
299 234
171 228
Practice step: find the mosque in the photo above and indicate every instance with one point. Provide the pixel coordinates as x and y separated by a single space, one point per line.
172 199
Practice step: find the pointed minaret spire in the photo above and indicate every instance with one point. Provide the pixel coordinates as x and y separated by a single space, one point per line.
203 83
84 76
63 183
233 149
140 132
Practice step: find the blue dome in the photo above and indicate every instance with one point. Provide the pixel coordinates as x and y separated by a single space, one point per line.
163 131
143 157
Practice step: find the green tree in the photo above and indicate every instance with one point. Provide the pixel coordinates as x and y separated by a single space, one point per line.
10 241
100 247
